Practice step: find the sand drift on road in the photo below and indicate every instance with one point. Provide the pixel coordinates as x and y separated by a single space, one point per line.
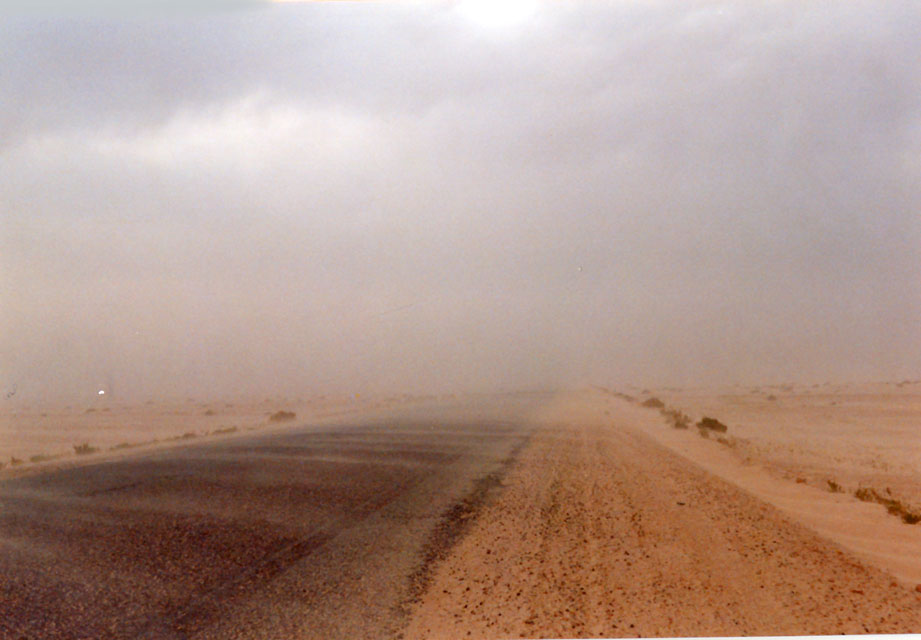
523 515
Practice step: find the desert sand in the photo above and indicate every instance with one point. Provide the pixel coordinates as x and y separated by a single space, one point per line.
36 437
809 449
553 514
601 531
853 434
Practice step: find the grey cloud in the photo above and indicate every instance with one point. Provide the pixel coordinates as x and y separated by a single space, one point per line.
384 195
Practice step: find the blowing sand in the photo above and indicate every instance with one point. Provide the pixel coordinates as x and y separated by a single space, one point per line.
307 531
596 518
34 438
602 531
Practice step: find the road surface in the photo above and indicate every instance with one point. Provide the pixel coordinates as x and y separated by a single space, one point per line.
535 515
317 532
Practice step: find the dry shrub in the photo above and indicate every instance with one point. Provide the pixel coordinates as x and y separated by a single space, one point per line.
834 487
893 506
676 418
653 403
224 430
84 449
712 424
282 416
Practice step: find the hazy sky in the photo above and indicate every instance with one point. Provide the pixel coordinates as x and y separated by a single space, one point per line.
425 197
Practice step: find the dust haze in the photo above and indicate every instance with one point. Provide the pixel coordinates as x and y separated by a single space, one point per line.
403 197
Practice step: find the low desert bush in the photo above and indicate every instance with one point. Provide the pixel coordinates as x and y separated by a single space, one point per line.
834 487
676 418
14 461
711 424
209 412
84 449
282 416
653 403
41 457
623 396
224 430
893 506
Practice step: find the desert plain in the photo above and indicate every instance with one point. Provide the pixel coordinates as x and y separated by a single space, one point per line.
581 513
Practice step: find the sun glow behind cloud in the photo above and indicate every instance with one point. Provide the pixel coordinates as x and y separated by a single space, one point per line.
487 14
492 14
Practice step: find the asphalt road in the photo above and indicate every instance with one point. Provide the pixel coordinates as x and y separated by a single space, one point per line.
317 531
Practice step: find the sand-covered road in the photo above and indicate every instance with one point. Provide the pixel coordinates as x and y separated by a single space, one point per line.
311 532
533 515
601 532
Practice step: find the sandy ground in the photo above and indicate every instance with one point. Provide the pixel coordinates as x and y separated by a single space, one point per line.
41 436
789 449
574 514
856 434
602 531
